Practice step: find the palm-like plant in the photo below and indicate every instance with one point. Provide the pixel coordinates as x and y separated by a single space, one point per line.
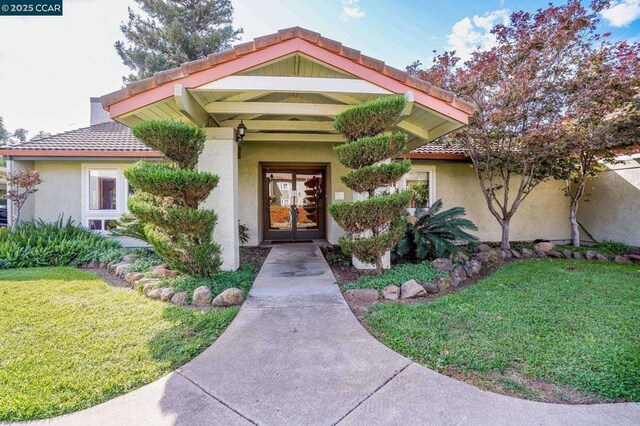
435 233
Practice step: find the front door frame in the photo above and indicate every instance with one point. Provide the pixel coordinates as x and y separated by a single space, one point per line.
275 235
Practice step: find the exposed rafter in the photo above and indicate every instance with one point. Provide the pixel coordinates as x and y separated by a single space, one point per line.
283 125
243 83
189 107
275 108
293 137
414 130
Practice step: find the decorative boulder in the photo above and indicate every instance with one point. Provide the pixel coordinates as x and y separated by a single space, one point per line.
391 292
430 288
232 296
482 248
442 264
540 254
621 259
527 254
179 298
545 246
411 289
167 293
481 257
568 254
590 255
367 295
129 258
507 254
555 254
155 293
492 255
132 277
149 285
92 265
577 255
472 267
634 257
515 254
458 257
458 273
443 283
202 296
121 269
602 257
163 273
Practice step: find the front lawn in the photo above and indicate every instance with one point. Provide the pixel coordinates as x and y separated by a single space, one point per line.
69 341
553 330
422 272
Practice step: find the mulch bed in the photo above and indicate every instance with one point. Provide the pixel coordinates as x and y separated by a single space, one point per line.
254 256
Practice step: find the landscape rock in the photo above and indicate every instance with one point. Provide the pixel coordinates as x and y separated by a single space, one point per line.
164 273
121 269
367 295
202 296
411 289
590 254
458 257
132 277
492 255
472 267
147 286
553 253
430 288
483 248
179 298
507 254
458 273
443 283
621 259
602 257
568 254
515 254
634 257
540 253
481 257
167 293
527 254
102 265
232 296
155 293
545 246
129 258
92 265
442 264
391 292
577 255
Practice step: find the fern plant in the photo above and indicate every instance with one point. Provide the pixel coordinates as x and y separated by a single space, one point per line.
435 233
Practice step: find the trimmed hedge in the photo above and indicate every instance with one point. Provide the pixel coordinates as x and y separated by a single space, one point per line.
372 213
370 118
369 249
360 180
370 150
178 141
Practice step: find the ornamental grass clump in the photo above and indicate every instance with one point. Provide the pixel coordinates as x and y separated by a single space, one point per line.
373 225
168 196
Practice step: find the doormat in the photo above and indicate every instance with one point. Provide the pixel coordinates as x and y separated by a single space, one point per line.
292 242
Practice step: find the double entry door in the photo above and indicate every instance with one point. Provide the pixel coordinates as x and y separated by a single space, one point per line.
294 203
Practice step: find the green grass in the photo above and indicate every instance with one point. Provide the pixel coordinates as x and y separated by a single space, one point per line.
572 324
397 275
608 248
242 278
69 341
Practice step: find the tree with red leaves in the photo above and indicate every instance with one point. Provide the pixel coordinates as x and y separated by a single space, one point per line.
515 138
21 185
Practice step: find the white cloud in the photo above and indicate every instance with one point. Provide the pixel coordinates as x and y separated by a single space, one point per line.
350 10
470 33
622 13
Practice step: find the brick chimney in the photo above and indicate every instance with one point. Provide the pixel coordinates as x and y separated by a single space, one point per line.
98 114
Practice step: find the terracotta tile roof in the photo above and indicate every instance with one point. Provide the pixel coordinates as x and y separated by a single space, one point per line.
271 39
109 136
439 148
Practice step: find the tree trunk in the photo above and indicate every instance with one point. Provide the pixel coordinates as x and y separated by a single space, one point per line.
575 228
504 243
379 265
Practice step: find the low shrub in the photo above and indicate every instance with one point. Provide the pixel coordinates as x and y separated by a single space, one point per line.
398 275
59 243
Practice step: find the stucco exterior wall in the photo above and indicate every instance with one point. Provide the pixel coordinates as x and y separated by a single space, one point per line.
27 211
612 211
543 214
60 192
252 154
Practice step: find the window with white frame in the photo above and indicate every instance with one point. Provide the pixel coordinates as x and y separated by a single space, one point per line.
422 182
104 195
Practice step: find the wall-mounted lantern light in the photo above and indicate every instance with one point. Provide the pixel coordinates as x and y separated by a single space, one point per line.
241 131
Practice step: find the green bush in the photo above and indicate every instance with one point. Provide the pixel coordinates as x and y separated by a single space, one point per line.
435 233
59 243
128 225
421 272
178 141
370 118
372 225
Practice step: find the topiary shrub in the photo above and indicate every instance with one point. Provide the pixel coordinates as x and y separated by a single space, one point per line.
373 225
168 196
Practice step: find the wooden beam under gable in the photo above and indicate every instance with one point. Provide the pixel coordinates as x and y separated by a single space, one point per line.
189 107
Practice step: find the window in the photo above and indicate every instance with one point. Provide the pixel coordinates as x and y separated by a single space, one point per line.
105 194
421 181
284 185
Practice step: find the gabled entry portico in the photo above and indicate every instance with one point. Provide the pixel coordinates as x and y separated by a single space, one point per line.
286 88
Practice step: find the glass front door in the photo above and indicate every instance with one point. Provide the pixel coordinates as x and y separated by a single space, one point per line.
293 204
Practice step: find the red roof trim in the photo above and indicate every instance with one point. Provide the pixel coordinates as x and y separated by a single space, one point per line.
78 153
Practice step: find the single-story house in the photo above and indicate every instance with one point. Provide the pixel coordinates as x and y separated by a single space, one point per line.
286 88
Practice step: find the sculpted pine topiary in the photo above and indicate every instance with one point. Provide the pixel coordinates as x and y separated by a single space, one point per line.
373 225
168 195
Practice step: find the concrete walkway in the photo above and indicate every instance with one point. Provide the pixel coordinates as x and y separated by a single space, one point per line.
295 354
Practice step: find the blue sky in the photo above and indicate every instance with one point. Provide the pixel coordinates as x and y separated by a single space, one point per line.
50 66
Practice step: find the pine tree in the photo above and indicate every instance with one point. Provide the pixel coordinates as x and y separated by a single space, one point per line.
174 32
376 224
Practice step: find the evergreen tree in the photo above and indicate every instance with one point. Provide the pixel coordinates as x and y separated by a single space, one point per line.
174 32
376 224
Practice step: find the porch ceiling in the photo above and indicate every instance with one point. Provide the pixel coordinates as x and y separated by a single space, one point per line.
294 97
